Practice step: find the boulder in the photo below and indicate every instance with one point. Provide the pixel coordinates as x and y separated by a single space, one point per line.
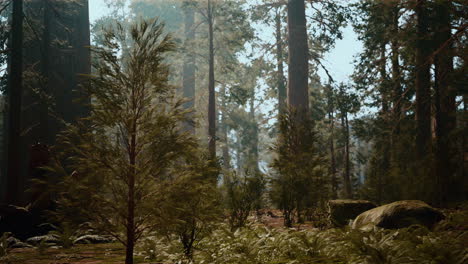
94 239
399 215
342 211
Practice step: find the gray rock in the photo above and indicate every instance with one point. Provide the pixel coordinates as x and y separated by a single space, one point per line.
49 239
94 239
16 243
342 211
399 215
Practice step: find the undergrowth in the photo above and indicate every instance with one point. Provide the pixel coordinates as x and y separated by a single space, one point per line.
256 245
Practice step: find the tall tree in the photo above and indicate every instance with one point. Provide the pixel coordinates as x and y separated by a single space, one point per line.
423 81
15 89
298 71
211 84
281 80
188 74
445 106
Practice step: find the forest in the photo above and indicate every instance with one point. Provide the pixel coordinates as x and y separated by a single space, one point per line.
231 131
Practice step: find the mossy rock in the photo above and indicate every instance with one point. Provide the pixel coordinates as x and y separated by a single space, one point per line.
342 211
399 215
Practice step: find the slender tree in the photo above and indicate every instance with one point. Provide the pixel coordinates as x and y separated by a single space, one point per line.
211 85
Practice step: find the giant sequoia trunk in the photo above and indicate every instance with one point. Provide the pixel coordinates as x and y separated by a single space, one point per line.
422 83
189 61
15 88
298 71
211 87
58 50
444 103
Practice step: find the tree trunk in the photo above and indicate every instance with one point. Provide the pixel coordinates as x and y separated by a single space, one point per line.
384 115
445 104
15 90
45 68
279 61
189 62
132 153
422 83
254 146
331 118
224 131
211 88
347 174
298 72
396 78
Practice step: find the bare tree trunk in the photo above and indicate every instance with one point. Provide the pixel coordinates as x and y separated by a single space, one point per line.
254 146
331 118
334 180
347 174
211 88
279 61
189 62
298 72
224 131
396 78
422 83
15 89
384 115
45 68
445 105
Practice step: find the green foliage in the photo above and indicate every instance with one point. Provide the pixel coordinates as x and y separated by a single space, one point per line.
188 206
114 162
301 181
262 245
242 194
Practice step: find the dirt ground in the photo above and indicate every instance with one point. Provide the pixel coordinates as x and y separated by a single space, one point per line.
114 253
79 254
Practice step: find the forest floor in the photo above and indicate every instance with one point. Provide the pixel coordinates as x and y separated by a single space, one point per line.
114 253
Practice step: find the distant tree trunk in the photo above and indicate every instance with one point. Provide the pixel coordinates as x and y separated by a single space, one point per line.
239 161
45 68
396 78
189 62
331 118
298 71
15 89
224 130
384 115
254 146
279 61
422 83
445 104
211 87
347 172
